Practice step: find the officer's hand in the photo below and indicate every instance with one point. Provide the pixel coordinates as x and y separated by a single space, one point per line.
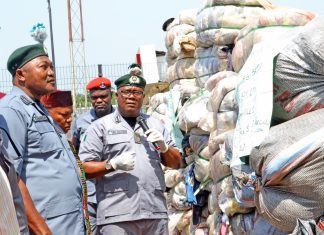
153 135
124 162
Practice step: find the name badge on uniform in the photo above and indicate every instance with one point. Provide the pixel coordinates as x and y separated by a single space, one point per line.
116 132
137 138
42 118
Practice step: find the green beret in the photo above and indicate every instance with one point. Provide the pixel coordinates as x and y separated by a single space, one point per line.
23 55
130 80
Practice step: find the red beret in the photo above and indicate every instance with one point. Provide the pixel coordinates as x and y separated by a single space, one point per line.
99 83
57 99
2 94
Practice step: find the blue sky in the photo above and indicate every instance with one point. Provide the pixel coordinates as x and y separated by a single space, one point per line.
113 29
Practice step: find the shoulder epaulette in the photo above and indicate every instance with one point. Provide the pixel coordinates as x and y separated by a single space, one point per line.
25 100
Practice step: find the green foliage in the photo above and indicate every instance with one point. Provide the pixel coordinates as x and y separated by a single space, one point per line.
80 101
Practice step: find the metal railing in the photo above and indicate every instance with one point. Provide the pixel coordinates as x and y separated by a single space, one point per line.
64 79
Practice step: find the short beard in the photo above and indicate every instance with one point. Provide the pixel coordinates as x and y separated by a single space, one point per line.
101 113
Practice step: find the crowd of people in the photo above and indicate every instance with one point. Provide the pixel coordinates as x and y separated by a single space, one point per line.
106 180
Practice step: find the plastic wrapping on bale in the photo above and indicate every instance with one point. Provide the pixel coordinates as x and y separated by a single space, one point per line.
182 69
173 177
227 202
174 218
246 41
229 16
221 89
178 201
206 65
184 220
299 73
229 102
214 79
160 109
192 112
285 17
224 55
157 99
187 16
171 73
180 188
213 199
222 36
225 121
201 168
208 3
164 119
218 167
208 122
205 152
198 131
177 30
198 142
186 87
215 140
244 192
185 45
242 224
290 163
211 223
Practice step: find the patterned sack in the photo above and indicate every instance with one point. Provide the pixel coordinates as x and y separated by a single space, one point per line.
290 163
299 74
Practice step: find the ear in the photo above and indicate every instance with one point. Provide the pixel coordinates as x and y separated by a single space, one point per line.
20 75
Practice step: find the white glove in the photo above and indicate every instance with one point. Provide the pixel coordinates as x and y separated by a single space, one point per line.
124 161
153 135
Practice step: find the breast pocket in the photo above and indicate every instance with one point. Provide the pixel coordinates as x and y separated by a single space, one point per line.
49 139
117 144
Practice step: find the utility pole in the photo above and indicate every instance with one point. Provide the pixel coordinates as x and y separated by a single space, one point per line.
51 32
77 52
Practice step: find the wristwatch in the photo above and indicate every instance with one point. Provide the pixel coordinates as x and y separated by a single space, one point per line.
108 166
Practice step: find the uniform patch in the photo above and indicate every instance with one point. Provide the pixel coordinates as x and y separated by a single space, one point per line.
116 132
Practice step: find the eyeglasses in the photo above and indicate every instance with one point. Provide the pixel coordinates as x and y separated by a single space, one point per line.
128 93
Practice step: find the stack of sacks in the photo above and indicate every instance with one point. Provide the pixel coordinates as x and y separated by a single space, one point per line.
271 25
179 210
222 107
217 25
219 21
180 39
181 44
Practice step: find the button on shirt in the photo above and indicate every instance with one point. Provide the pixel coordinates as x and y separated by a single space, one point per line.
126 195
46 163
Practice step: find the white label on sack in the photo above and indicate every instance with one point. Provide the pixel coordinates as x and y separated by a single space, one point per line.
255 96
